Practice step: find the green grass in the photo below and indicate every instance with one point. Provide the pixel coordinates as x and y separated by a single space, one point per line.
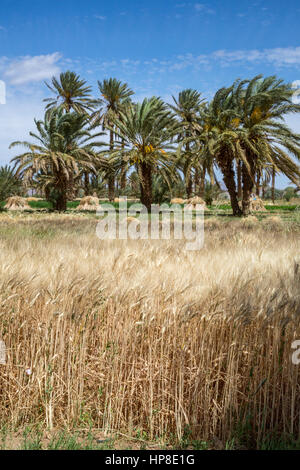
35 439
222 207
47 205
227 207
282 208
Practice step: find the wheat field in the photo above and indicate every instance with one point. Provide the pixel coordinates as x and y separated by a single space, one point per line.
143 335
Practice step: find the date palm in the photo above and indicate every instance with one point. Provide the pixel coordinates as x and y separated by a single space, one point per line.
64 145
220 139
265 139
145 130
71 93
186 109
115 96
10 184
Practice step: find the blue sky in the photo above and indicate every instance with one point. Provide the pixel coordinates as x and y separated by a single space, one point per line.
157 47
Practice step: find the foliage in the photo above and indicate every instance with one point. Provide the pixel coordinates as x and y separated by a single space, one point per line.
64 148
71 94
240 132
145 130
211 192
289 193
10 184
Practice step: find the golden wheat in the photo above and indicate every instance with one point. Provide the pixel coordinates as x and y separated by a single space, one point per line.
143 335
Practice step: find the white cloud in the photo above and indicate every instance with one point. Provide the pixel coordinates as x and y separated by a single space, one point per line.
278 57
30 68
100 17
284 56
203 8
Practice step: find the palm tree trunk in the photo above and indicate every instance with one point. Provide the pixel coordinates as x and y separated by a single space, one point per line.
188 176
239 179
61 200
248 183
226 167
196 181
111 188
123 171
47 193
273 184
188 185
70 187
202 183
61 203
62 188
258 183
146 185
111 178
123 179
86 184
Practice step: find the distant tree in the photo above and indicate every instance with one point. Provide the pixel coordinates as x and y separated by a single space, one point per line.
64 147
289 193
115 96
186 108
211 192
10 184
278 193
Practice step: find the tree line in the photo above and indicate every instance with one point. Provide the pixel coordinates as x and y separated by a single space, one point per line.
241 132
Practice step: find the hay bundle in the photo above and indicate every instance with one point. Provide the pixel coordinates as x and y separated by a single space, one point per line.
34 199
132 219
119 199
17 203
257 205
88 203
178 200
195 201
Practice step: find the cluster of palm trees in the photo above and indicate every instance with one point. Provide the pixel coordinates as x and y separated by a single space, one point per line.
241 132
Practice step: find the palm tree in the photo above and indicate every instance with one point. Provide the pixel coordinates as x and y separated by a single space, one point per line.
10 184
264 138
163 187
64 146
239 179
71 94
145 130
273 183
115 98
186 109
211 192
134 181
220 139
